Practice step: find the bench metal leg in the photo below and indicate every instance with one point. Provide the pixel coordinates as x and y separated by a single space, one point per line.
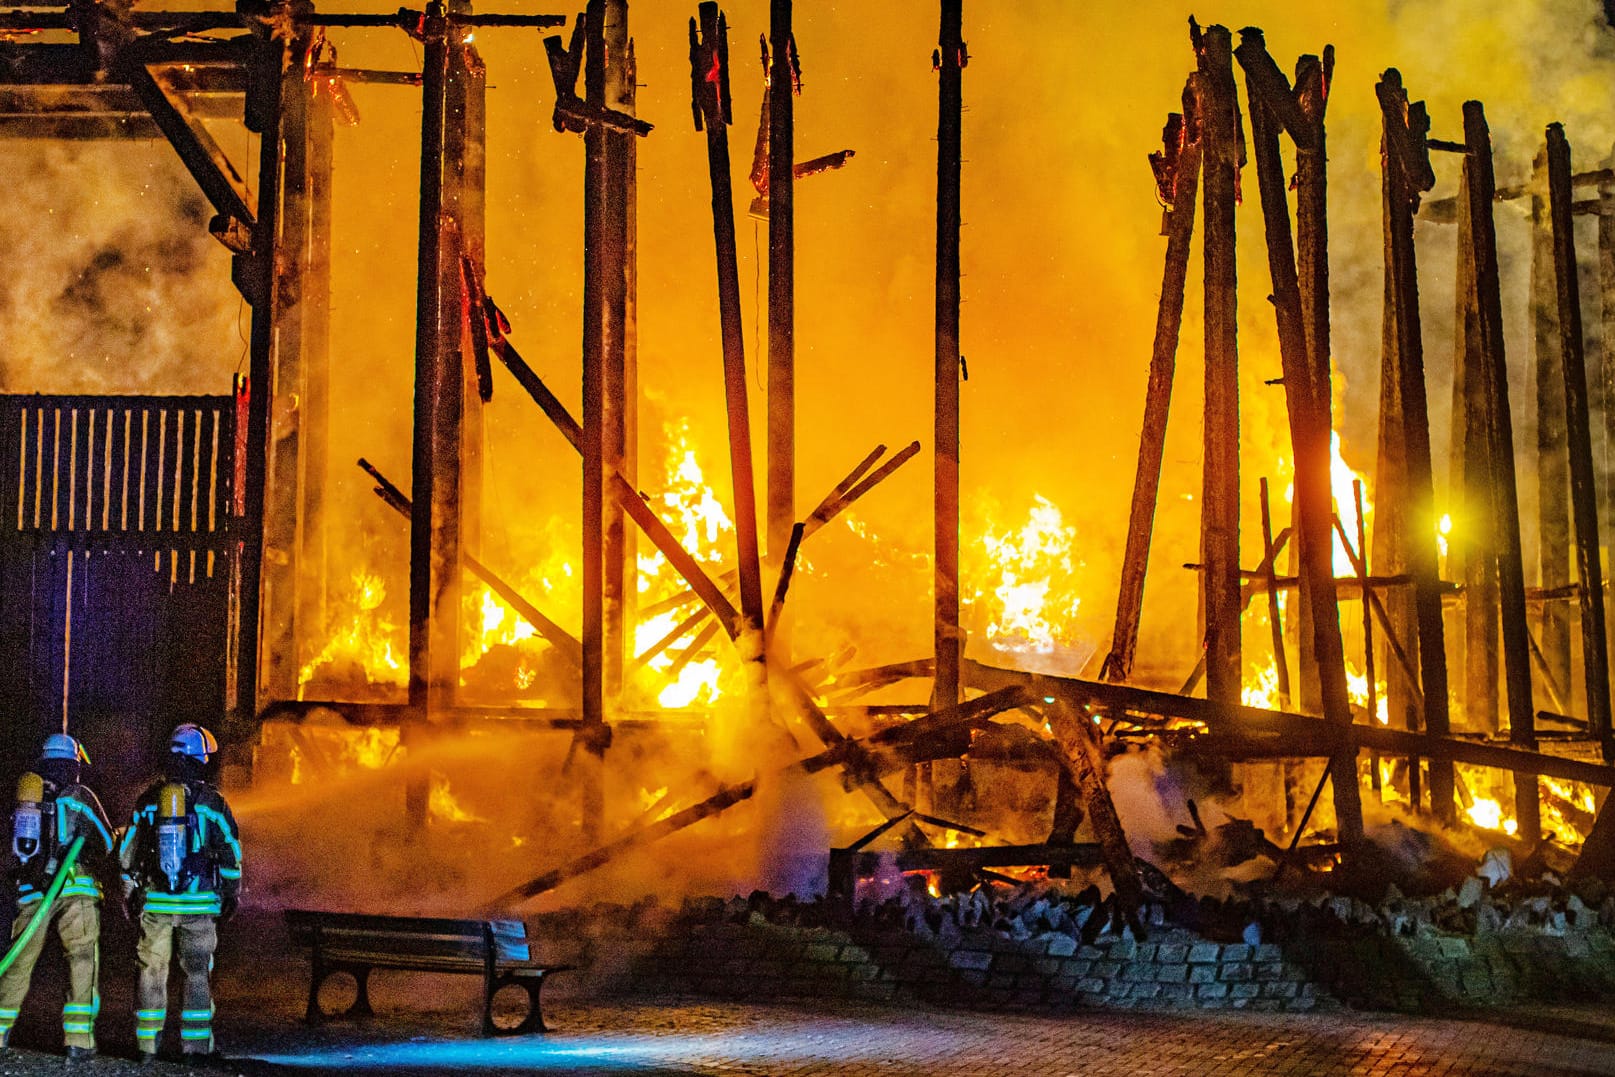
532 1022
361 1000
315 1015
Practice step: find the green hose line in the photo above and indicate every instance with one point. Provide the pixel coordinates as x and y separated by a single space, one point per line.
43 911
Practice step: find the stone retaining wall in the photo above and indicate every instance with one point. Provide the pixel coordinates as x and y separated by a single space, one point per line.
752 958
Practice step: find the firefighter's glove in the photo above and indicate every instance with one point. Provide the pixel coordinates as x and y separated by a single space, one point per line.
227 909
133 902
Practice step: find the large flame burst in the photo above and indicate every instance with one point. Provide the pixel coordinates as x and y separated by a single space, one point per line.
1023 581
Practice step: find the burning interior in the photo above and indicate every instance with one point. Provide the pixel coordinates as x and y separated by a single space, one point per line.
729 642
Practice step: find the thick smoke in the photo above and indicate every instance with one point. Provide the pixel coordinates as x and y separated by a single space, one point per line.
115 284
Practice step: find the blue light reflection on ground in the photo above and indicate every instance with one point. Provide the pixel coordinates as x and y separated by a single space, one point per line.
628 1053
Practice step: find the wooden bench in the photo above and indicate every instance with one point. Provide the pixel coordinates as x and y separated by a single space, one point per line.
355 943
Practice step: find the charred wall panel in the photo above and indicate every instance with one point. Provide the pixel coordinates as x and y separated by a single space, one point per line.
115 566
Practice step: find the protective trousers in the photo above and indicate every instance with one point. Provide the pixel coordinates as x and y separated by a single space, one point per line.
198 937
78 925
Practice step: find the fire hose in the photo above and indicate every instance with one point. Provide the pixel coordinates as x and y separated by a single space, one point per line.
43 911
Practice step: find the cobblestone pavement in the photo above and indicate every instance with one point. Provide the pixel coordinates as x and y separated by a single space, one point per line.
690 1037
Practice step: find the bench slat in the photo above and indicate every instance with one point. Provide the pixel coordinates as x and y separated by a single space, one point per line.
425 936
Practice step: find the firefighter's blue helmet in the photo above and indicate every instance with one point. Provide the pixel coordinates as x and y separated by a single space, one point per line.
192 740
62 746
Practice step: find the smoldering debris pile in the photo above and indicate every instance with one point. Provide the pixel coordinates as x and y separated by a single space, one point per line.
1497 897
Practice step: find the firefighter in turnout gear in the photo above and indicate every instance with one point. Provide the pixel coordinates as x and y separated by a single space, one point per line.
60 837
181 860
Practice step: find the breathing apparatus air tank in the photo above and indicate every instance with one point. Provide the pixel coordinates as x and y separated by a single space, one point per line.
27 821
171 832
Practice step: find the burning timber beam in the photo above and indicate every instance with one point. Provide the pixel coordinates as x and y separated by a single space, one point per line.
1583 481
1123 701
1309 429
1083 758
1485 278
1405 425
950 60
868 756
1219 521
709 79
1177 177
638 510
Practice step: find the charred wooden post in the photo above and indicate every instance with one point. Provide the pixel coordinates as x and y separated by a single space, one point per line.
434 540
1408 173
255 271
619 385
1583 480
1219 520
1309 433
1177 178
464 198
1606 358
950 58
282 583
1390 487
594 734
1480 188
709 75
315 422
1472 546
781 507
1313 76
1553 468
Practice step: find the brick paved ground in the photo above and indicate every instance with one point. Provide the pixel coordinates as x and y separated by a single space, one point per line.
694 1037
684 1037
